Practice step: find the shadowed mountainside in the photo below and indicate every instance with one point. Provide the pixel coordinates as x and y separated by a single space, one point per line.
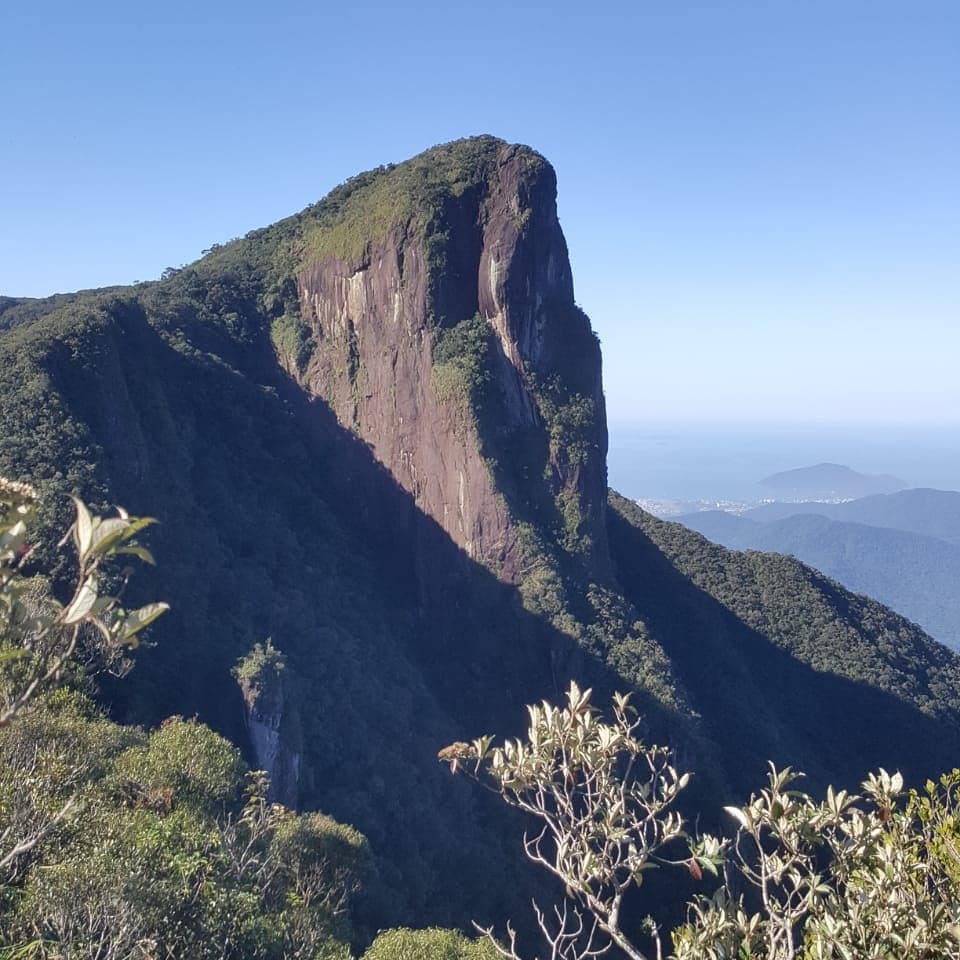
779 654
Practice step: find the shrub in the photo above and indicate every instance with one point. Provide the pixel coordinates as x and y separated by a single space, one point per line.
429 944
873 875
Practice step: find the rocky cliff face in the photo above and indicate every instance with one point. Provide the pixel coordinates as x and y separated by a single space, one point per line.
271 720
479 439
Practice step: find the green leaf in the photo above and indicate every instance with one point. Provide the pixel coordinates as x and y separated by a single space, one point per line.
83 602
117 530
106 533
137 551
11 539
135 524
708 865
137 619
83 528
739 816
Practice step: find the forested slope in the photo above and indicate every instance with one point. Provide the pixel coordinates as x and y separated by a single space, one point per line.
916 575
784 662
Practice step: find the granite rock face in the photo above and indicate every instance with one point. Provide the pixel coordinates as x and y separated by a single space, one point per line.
489 246
329 417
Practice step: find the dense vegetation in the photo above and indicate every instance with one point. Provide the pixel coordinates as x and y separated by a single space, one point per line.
176 399
168 398
874 874
916 575
365 210
163 839
117 843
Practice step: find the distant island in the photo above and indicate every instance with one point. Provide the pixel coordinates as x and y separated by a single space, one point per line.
829 481
820 487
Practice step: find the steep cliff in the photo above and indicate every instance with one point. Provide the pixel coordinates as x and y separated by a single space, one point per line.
444 332
272 720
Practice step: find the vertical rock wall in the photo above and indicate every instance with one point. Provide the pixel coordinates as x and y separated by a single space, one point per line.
493 247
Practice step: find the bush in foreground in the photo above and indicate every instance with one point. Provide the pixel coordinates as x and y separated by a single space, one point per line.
868 876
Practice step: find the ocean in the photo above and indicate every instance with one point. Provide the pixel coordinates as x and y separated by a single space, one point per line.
686 461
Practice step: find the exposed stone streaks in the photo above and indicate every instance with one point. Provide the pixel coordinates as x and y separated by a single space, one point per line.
376 321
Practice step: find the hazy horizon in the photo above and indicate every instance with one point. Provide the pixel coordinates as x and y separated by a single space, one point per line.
690 461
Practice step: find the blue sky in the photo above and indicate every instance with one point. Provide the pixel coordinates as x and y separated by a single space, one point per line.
761 199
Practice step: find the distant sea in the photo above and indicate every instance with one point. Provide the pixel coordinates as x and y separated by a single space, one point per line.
686 461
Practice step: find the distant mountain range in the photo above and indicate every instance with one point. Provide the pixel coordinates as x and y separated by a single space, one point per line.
934 513
828 481
902 549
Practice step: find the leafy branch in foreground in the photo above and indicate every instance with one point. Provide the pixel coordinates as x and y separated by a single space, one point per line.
39 636
873 876
867 876
604 804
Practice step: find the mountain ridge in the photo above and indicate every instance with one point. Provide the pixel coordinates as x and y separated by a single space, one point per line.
910 572
924 510
375 432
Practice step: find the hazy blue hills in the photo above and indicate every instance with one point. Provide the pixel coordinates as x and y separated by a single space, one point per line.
934 513
827 481
915 574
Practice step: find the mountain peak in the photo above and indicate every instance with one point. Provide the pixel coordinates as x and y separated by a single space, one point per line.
438 297
368 206
375 433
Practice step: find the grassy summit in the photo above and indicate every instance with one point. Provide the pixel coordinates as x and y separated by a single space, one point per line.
367 207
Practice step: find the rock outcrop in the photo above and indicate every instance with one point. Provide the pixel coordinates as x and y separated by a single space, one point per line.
477 237
329 417
273 726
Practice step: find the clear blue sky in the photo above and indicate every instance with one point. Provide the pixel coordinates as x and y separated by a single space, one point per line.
761 199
